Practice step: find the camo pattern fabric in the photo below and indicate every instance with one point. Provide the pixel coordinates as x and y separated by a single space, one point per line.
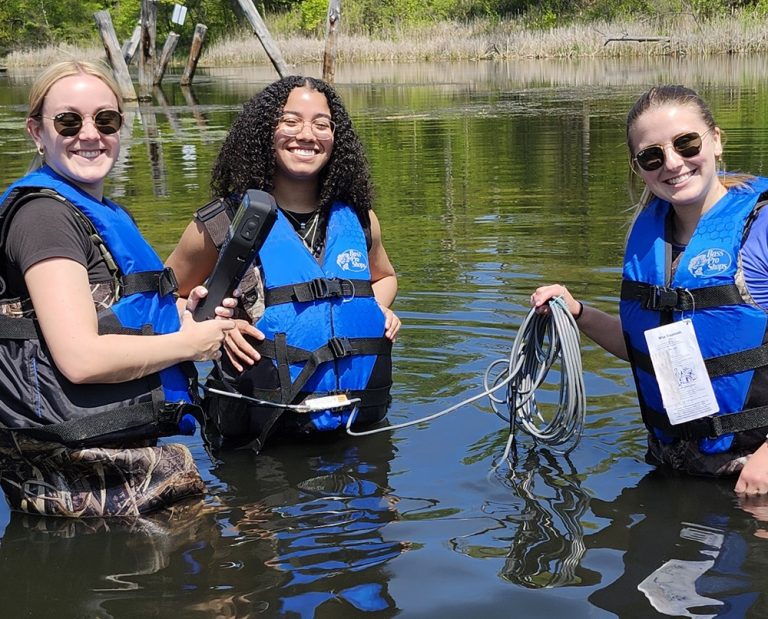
103 294
52 479
684 455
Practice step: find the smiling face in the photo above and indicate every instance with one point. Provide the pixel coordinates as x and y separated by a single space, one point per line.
302 156
87 157
681 181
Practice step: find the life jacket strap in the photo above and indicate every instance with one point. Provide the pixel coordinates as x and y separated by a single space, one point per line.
708 427
18 328
215 218
335 348
163 282
662 298
722 365
316 289
143 419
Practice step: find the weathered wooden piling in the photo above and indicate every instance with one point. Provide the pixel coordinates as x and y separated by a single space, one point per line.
147 48
331 35
194 54
261 31
165 56
114 54
131 45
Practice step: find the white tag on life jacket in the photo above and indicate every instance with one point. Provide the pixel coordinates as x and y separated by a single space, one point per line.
686 390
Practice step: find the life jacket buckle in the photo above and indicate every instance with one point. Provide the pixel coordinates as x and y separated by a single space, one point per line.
340 347
167 283
661 298
318 289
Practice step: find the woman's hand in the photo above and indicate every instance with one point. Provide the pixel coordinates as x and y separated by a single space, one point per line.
391 323
754 476
225 310
205 338
542 295
239 351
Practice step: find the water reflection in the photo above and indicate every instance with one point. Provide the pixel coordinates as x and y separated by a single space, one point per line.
94 568
548 544
688 559
317 517
491 177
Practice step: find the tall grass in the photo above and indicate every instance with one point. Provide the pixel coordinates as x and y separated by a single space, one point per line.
681 34
741 33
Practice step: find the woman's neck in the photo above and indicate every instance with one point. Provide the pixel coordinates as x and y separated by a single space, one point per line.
296 196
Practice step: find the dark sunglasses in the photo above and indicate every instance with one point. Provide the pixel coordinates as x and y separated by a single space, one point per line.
70 123
686 145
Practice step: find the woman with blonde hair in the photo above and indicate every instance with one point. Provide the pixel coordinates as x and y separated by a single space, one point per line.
695 276
96 353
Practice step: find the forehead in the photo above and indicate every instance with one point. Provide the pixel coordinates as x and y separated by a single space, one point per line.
661 123
81 90
304 100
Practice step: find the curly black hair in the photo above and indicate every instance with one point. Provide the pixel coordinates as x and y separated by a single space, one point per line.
247 157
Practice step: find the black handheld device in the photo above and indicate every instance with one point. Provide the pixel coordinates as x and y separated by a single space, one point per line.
252 222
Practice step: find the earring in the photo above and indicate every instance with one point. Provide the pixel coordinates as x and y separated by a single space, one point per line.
720 167
40 150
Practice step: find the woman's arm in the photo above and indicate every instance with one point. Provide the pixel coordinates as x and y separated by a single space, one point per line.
383 278
603 329
192 262
382 272
61 295
193 258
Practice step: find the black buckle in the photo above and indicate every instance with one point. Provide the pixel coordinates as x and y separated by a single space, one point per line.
167 283
660 298
169 414
318 289
340 347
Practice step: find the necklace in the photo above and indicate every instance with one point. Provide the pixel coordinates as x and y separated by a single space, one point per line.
306 227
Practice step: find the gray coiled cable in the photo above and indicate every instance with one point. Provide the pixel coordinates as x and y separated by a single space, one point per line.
524 371
540 342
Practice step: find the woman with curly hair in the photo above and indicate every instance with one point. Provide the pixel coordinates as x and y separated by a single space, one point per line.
320 323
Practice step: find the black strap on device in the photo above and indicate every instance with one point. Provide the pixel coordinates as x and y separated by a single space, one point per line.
250 226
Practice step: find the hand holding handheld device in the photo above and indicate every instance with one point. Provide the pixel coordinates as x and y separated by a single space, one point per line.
251 224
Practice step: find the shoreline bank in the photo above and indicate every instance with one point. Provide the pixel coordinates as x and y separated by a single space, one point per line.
682 35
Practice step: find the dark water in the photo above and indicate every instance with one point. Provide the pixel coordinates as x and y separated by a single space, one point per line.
491 179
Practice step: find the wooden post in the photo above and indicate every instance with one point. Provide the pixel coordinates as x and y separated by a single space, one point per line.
165 56
114 55
147 48
331 35
194 54
261 31
130 46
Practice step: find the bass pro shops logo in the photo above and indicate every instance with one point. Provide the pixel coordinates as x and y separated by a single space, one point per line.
352 260
709 263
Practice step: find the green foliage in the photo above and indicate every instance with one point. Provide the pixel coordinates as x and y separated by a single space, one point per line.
313 15
33 23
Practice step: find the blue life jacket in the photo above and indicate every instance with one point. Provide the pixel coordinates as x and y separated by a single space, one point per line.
324 331
40 398
731 332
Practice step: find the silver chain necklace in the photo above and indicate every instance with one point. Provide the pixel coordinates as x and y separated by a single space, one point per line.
307 230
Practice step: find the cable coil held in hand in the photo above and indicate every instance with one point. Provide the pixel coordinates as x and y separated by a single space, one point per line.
541 340
525 370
